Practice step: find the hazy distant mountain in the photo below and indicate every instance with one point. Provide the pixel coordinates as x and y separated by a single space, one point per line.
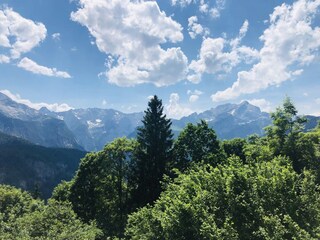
94 127
29 166
22 121
230 120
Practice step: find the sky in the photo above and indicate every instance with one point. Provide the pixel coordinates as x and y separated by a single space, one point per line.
193 54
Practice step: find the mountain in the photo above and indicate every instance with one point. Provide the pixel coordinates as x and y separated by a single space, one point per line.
29 166
94 127
22 121
230 120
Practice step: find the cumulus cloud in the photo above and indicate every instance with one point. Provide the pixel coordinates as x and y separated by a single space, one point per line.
195 28
262 103
31 66
19 35
289 43
132 31
55 107
214 58
174 109
194 95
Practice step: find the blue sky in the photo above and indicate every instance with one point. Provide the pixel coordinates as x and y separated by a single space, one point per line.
194 54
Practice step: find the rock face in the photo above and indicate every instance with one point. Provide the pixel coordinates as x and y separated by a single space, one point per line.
94 127
22 121
230 120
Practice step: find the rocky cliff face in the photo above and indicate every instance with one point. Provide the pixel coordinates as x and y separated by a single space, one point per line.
230 120
21 121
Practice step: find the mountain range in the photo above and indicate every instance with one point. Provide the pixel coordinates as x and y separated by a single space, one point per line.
39 148
90 129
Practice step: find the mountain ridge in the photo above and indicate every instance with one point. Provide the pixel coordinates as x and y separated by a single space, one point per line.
92 128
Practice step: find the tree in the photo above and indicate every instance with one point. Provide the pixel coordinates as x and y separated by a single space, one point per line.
264 200
23 217
285 132
100 189
154 153
235 147
196 143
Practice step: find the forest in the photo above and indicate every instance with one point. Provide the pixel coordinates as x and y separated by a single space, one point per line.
193 187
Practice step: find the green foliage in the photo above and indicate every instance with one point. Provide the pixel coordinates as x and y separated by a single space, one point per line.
235 147
62 191
283 135
197 143
22 217
153 157
234 201
257 150
100 189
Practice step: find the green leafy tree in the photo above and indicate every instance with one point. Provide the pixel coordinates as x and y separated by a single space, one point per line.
257 149
285 132
153 157
265 200
100 189
62 191
235 147
196 143
24 218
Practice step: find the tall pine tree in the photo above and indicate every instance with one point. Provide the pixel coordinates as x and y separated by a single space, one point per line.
153 155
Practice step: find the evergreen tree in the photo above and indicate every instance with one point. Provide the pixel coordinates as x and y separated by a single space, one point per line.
154 153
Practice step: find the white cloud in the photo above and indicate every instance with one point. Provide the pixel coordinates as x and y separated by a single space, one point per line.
317 101
55 107
214 59
290 42
203 7
31 66
193 98
104 102
195 28
194 95
262 103
174 109
132 31
214 12
182 3
4 59
213 8
19 35
56 36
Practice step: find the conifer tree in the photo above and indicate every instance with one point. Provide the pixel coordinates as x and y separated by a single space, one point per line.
153 155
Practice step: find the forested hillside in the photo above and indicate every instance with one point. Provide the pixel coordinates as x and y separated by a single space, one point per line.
194 187
35 168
